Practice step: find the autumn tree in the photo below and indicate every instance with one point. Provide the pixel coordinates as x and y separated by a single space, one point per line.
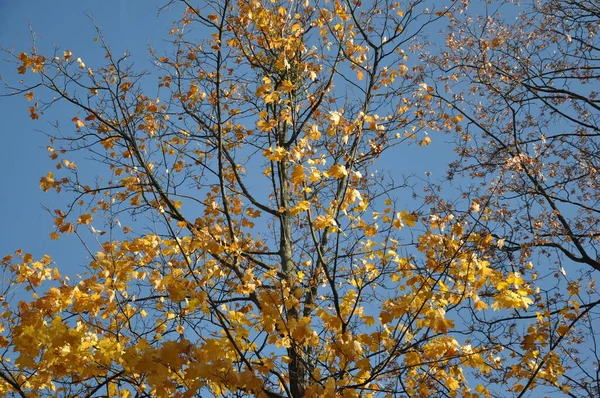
259 249
525 79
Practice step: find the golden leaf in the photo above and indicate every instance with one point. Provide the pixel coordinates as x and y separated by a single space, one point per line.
287 86
335 118
84 219
337 171
321 222
78 122
300 207
69 165
298 174
314 133
66 228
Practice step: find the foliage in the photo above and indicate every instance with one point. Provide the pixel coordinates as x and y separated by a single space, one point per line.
530 145
266 254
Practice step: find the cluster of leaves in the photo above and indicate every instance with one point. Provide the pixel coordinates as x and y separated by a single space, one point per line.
525 79
276 261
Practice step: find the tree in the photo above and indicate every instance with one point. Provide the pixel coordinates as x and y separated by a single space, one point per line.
528 87
264 255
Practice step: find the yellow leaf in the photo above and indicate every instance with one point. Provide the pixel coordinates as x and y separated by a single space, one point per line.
29 96
253 213
452 384
335 118
360 75
276 154
69 165
298 174
263 125
78 122
338 171
314 133
371 229
270 98
47 182
573 288
300 207
441 323
407 218
425 141
287 86
321 222
314 175
178 166
508 299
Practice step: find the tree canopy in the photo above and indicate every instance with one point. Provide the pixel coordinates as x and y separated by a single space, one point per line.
249 231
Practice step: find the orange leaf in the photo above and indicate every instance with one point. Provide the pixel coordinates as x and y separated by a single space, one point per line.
78 122
32 113
66 228
84 219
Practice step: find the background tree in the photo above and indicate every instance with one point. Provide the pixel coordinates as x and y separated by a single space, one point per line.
525 78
